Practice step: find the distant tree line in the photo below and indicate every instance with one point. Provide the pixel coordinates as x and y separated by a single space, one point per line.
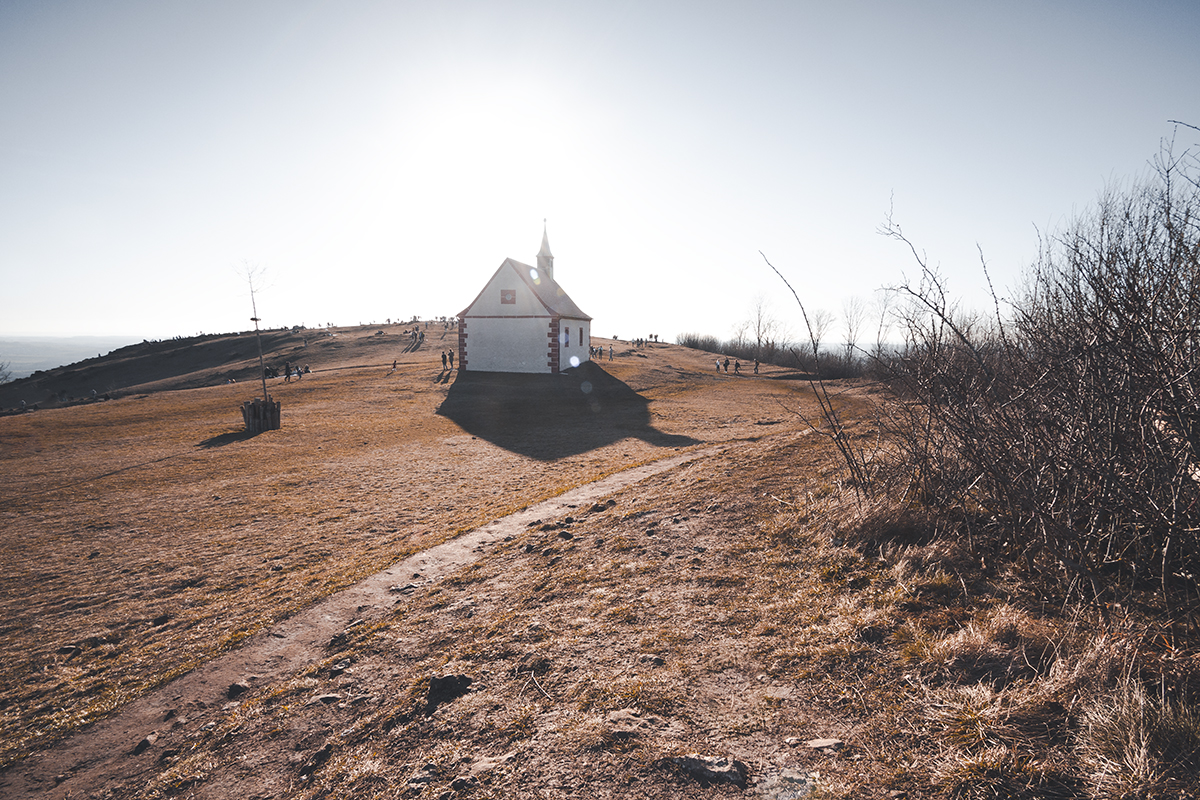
762 336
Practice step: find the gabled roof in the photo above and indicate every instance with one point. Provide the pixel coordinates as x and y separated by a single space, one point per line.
546 290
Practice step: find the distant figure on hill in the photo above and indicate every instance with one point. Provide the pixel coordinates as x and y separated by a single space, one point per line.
718 365
737 367
287 372
610 352
443 361
756 366
727 364
451 354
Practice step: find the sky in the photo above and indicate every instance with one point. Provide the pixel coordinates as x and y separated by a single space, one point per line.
373 160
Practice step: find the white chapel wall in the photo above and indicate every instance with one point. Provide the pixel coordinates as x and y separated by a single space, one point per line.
508 344
525 302
573 346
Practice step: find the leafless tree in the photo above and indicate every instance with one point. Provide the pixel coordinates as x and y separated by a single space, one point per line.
854 314
741 333
819 323
882 311
254 274
5 372
764 329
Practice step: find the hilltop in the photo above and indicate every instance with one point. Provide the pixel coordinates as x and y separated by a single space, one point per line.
642 578
146 535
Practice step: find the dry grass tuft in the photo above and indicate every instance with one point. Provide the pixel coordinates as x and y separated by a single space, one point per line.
998 773
1003 646
1132 740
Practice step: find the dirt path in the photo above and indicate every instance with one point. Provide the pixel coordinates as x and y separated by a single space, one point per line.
117 748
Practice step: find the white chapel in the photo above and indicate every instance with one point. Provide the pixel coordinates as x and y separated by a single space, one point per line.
523 321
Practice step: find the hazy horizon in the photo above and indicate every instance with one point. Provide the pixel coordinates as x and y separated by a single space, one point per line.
25 355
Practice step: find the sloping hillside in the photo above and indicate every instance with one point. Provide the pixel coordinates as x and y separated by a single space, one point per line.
191 362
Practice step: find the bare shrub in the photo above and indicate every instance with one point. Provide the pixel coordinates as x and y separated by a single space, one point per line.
1073 419
697 341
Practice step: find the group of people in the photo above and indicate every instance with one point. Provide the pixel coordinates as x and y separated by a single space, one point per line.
737 365
447 361
288 372
297 372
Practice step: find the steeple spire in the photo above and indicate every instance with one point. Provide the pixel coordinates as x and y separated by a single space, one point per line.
545 259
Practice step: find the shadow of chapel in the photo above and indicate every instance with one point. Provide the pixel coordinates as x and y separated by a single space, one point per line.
548 417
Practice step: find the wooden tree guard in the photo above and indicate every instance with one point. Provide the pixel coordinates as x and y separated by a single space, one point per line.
261 415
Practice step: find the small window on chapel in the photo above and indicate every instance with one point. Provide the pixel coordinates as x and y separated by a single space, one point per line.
508 297
567 340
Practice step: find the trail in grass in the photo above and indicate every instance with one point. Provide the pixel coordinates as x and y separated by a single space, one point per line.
110 750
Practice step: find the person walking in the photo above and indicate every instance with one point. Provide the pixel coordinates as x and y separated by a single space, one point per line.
756 366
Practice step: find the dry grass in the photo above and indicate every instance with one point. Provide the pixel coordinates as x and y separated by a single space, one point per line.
144 535
726 607
642 654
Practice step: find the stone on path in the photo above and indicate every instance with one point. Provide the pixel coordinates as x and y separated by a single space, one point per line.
145 744
824 744
790 784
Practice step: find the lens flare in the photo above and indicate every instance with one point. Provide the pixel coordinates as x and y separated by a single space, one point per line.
574 361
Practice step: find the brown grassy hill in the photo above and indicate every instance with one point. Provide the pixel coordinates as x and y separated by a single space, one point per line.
737 604
192 362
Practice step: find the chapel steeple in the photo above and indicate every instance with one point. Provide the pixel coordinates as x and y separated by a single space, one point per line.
545 259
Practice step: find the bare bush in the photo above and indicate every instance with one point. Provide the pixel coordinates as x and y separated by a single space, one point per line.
697 341
1073 419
